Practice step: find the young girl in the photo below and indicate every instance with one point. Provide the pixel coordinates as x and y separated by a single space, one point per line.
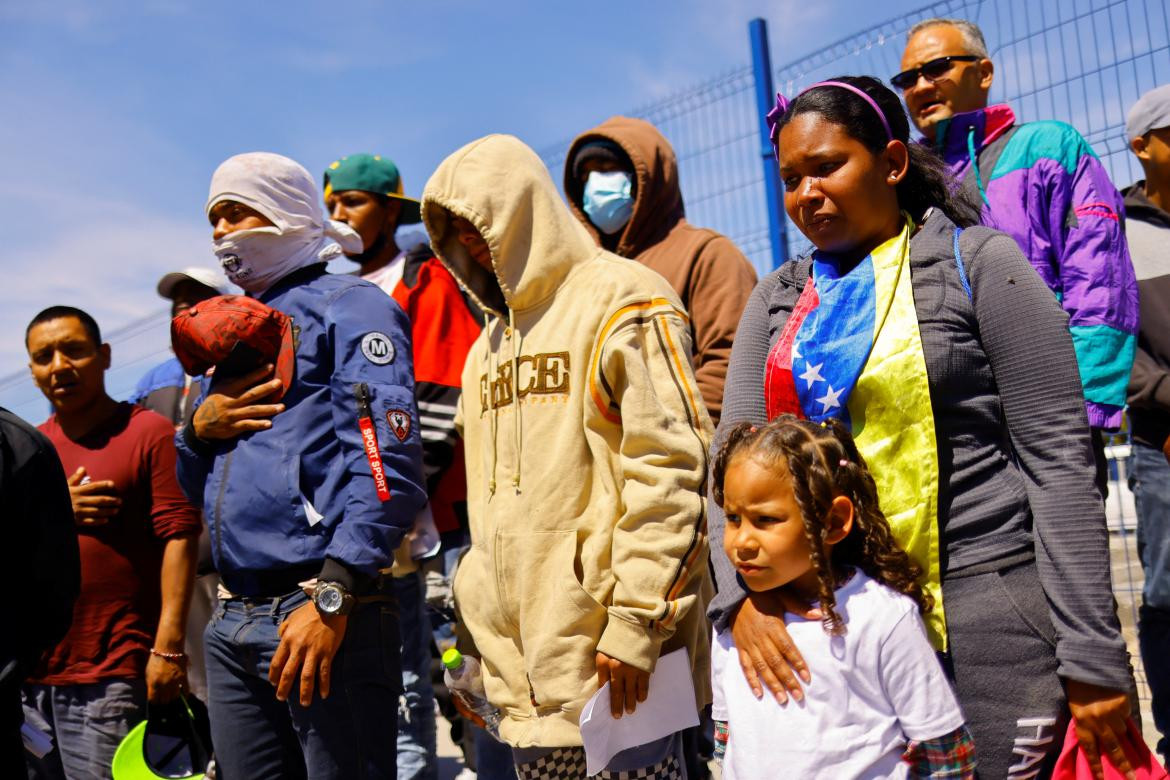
802 515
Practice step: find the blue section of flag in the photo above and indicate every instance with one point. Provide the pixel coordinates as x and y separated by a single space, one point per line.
835 340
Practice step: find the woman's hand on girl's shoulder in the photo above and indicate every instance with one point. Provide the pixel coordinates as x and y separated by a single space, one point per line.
766 651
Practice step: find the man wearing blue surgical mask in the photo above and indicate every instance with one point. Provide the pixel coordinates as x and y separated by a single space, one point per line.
608 195
621 179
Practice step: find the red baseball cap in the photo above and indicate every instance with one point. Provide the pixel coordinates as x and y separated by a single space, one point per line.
239 327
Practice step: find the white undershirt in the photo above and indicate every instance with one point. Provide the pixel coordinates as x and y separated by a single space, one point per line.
388 276
872 689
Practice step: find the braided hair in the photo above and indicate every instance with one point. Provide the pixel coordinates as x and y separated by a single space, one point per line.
824 463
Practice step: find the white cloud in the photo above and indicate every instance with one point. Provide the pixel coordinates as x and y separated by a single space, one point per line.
107 263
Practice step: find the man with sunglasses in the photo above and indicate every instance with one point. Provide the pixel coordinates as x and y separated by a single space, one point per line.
1041 183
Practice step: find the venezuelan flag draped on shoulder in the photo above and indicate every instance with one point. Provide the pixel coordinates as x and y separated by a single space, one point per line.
852 350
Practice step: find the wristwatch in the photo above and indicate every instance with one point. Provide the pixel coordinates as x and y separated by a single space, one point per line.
331 598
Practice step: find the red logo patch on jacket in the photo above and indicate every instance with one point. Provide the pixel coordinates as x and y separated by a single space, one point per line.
399 420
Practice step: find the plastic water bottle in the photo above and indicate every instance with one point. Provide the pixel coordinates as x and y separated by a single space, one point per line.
464 678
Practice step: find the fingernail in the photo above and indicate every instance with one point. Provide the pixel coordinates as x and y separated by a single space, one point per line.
798 695
804 675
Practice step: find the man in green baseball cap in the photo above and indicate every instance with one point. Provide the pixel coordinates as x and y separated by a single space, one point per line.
365 191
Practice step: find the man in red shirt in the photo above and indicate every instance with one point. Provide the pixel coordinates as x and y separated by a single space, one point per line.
138 539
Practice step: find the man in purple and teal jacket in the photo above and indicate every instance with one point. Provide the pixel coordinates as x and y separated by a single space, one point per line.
1041 183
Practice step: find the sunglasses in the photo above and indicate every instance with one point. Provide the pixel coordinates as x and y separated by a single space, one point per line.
933 70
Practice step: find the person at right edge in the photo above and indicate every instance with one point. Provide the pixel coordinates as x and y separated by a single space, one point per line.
1042 184
622 183
586 444
1147 227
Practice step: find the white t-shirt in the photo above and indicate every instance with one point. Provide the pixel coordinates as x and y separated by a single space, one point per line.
388 276
873 689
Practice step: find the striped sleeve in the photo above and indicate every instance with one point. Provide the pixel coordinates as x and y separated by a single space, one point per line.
645 399
436 417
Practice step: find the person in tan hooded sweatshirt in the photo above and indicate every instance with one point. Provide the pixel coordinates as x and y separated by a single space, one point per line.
641 216
586 441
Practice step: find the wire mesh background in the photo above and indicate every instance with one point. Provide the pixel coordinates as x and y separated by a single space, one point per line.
1081 61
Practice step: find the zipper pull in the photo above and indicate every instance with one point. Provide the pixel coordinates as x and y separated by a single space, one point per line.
361 391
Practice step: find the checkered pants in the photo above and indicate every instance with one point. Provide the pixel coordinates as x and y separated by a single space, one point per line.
569 764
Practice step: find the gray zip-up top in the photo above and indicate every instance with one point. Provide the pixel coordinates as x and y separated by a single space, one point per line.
1016 467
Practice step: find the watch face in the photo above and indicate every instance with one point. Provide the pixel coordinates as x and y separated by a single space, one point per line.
329 599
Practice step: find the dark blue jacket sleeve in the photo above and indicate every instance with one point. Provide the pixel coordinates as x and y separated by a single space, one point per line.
361 322
194 459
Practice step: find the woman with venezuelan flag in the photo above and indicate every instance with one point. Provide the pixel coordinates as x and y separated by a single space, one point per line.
936 342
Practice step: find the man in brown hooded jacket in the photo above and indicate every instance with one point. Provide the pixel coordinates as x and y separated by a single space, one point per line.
621 179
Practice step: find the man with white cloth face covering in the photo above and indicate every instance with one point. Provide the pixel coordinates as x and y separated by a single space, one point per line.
302 655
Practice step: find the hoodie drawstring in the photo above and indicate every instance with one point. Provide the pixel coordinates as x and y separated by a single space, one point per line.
516 423
975 163
489 321
514 339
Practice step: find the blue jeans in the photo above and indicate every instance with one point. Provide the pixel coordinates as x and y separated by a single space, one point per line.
1149 479
417 758
493 759
88 722
347 735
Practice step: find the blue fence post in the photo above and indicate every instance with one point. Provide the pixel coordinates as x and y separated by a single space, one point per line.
765 99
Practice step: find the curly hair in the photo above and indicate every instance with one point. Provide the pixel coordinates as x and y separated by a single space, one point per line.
824 463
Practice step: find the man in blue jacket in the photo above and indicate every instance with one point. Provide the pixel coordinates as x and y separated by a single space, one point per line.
308 480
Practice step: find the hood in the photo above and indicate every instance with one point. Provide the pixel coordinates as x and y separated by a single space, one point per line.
1138 206
658 204
503 188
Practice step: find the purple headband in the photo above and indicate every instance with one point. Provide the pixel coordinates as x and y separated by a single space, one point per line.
782 104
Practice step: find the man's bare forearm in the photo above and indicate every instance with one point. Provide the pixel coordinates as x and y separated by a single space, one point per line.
180 555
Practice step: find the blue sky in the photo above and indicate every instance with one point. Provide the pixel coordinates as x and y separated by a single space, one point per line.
116 113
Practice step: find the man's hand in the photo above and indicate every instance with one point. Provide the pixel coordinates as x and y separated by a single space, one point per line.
628 685
165 679
308 642
1166 449
234 407
766 652
1101 715
94 503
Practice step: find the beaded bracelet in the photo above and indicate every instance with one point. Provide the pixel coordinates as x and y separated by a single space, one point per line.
169 656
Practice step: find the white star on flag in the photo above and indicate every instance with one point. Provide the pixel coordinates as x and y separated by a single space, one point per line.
795 352
812 374
829 399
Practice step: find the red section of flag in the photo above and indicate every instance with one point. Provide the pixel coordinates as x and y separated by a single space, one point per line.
370 443
779 383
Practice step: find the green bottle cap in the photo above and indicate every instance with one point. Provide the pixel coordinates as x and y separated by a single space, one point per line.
452 659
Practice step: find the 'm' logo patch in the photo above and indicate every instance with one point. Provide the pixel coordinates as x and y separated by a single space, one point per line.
378 348
399 423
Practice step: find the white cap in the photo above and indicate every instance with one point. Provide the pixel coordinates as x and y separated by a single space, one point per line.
204 276
1150 112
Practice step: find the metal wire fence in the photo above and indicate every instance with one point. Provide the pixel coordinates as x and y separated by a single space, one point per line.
715 134
1084 62
1080 61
